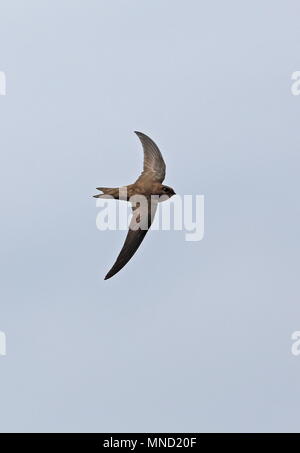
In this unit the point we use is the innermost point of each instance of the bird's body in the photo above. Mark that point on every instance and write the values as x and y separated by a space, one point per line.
146 188
144 195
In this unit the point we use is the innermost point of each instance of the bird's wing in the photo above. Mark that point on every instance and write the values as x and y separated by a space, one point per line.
154 164
141 221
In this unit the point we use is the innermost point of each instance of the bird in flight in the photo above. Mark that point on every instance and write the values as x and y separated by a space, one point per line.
143 195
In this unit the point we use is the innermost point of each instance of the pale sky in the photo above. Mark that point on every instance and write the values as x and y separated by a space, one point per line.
190 336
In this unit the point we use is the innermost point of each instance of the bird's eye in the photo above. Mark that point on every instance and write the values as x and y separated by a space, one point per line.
165 189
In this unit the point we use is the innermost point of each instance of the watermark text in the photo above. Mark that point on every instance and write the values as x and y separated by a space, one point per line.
2 83
2 343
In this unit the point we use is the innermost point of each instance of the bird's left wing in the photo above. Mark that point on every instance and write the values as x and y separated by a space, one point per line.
143 215
154 164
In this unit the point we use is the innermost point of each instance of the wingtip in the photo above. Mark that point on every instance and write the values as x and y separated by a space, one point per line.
111 273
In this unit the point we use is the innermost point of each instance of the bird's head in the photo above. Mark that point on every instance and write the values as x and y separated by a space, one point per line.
166 190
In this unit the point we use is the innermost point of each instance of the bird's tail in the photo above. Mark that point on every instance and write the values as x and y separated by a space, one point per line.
108 192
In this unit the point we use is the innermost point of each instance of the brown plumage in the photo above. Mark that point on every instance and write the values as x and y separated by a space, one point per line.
149 186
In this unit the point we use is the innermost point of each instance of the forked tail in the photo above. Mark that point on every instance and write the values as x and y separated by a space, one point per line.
108 192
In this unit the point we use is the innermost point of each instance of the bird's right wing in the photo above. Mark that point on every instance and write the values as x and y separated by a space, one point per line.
142 218
154 164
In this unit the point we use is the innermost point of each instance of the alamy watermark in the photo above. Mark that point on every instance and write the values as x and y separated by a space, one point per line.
2 93
180 213
296 343
2 343
295 87
2 83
